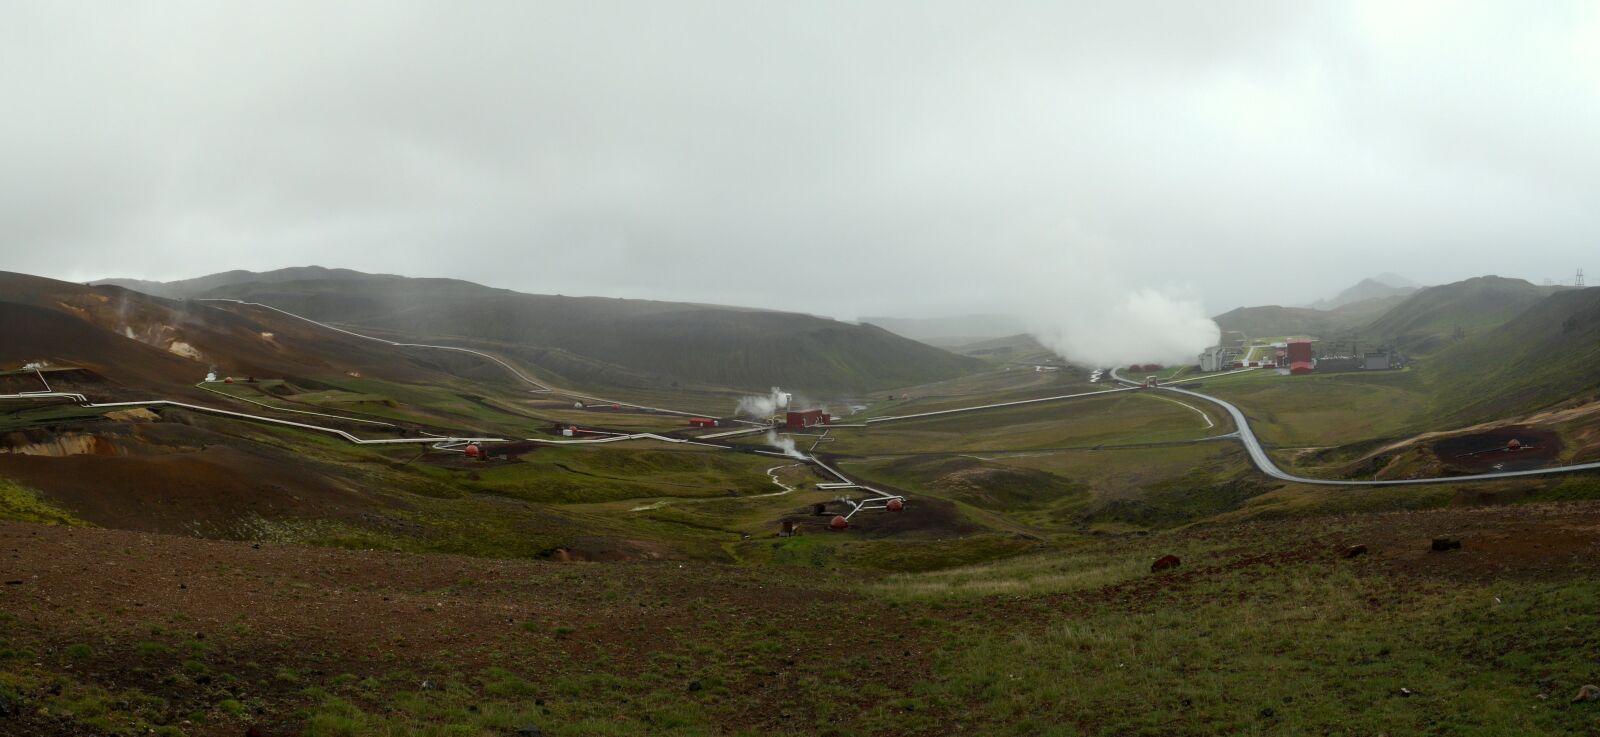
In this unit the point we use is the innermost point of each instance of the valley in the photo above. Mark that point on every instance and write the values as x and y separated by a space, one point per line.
1020 490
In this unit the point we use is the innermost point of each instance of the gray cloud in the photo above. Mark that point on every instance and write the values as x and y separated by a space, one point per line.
892 157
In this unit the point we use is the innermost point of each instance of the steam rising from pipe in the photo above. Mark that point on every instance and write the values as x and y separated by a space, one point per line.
763 406
785 445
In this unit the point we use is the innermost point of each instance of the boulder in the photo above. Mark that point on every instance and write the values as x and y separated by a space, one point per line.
1165 562
1354 551
1589 692
1441 544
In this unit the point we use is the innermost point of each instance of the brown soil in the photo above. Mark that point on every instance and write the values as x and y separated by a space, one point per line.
167 477
923 516
1543 541
1489 450
326 612
71 324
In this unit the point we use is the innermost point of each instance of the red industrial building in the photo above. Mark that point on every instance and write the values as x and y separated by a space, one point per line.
702 422
1300 360
807 418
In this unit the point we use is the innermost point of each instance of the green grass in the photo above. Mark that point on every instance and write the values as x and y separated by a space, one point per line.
1326 410
1302 651
32 414
22 505
1130 417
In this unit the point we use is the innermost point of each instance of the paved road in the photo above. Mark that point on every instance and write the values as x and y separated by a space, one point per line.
1259 457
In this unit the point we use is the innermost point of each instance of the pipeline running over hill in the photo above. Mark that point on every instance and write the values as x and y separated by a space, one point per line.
1258 454
539 388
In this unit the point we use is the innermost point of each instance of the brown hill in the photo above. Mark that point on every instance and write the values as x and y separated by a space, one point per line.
163 346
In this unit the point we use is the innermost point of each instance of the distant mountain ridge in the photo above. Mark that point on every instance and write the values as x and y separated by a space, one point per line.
1419 321
1427 320
1363 290
598 341
183 288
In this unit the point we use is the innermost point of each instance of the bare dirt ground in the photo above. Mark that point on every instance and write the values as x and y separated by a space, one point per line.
323 613
200 622
1491 449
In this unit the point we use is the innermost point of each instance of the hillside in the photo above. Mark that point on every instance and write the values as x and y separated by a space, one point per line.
947 332
1548 354
1433 317
154 345
1022 348
1346 321
1418 321
184 288
597 341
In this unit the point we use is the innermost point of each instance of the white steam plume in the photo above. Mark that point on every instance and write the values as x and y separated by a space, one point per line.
1138 326
762 406
1079 305
784 444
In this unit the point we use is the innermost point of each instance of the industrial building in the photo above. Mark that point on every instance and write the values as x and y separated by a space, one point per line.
806 418
1214 358
1381 361
1300 358
1336 364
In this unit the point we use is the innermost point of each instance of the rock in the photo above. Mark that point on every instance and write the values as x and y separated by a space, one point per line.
1268 713
1441 544
427 685
14 582
1589 692
695 686
529 730
1353 551
1165 562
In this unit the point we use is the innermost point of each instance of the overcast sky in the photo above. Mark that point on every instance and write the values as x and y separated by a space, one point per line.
839 158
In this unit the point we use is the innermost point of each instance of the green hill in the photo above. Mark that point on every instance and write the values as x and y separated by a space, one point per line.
1432 318
1548 354
1346 321
182 288
1418 322
598 341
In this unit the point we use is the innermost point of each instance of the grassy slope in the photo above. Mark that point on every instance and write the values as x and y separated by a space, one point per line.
1548 354
1328 409
1427 320
1262 630
1346 321
625 342
1124 417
